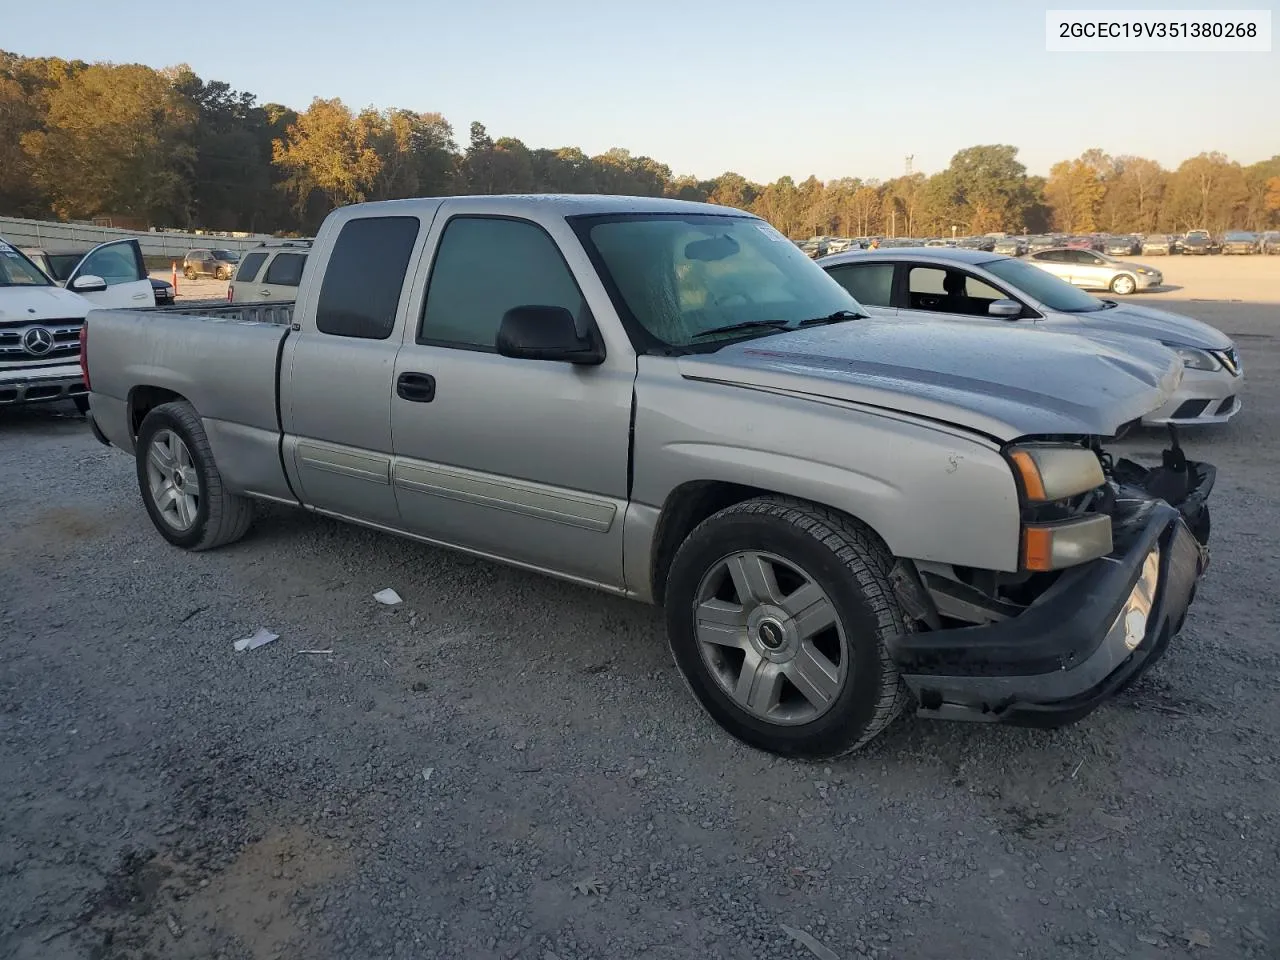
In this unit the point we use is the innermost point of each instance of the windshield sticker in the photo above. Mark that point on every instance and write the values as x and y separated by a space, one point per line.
5 248
769 232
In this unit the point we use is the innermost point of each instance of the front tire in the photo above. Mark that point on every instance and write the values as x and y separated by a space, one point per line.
778 612
180 483
1124 285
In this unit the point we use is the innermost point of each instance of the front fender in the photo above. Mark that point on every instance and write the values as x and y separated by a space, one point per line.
930 491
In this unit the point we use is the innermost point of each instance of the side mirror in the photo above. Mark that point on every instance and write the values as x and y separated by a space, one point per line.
1005 309
546 333
88 283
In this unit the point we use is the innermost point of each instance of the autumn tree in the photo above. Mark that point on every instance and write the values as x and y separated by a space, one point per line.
1074 192
329 159
1205 192
733 190
983 189
1134 195
115 140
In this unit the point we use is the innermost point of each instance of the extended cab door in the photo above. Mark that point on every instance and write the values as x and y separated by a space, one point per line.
336 370
120 264
524 460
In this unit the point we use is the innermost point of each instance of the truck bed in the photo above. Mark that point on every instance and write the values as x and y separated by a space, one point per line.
225 365
277 311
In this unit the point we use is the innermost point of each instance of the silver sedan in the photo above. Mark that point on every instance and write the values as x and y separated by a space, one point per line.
1097 271
967 286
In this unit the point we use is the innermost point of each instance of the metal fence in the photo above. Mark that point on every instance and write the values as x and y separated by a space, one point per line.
51 236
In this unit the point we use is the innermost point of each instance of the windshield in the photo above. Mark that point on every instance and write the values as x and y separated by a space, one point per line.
1239 235
17 271
1043 286
675 277
225 255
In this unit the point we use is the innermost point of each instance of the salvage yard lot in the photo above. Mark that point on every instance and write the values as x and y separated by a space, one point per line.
506 766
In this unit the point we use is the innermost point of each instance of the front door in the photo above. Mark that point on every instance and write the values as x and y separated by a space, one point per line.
119 263
947 293
524 460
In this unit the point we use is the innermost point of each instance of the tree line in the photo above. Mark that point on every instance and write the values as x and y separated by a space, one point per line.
164 147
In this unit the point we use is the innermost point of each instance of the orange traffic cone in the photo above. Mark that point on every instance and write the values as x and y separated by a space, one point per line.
175 278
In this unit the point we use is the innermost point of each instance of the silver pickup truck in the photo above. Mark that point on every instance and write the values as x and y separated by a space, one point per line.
671 402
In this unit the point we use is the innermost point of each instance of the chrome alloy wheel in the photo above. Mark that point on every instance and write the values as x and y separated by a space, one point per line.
172 480
771 638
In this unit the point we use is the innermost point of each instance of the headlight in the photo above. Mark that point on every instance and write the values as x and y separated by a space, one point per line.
1143 270
1052 472
1194 359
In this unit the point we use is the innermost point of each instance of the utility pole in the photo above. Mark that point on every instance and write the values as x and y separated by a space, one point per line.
893 231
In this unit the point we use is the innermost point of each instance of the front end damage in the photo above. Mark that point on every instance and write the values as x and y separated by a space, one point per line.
1044 648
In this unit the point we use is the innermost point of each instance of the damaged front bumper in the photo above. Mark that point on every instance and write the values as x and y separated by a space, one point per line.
1093 631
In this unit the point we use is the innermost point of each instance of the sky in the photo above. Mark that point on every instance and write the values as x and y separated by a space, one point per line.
761 87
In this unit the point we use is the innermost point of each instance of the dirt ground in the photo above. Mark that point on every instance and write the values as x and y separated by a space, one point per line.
505 766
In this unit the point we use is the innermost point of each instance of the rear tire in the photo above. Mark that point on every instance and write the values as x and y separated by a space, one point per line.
751 646
180 483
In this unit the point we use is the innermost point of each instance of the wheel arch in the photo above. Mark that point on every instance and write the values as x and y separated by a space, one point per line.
690 503
145 398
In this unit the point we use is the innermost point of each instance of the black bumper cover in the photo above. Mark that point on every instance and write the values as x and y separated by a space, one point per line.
1059 659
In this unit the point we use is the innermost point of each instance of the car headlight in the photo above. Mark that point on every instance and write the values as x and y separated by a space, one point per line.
1194 359
1143 270
1052 472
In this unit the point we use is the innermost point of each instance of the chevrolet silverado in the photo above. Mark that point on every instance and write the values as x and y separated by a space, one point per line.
669 401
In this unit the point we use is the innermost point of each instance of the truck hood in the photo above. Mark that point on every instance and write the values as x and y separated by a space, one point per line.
1006 382
1139 321
34 304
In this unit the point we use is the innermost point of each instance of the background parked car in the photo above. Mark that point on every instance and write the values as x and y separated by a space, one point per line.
1157 244
1196 243
968 287
1010 246
163 291
1042 242
1122 246
1270 242
118 263
1097 271
1239 242
219 264
270 272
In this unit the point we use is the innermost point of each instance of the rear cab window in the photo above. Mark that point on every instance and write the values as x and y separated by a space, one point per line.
364 277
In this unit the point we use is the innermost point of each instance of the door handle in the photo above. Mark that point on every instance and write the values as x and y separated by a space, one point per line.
139 296
416 387
264 293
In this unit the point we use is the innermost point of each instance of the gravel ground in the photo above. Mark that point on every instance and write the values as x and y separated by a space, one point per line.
505 766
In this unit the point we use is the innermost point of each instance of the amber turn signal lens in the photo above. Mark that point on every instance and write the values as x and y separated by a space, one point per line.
1030 474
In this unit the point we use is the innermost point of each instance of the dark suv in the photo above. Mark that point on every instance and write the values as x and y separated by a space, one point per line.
219 264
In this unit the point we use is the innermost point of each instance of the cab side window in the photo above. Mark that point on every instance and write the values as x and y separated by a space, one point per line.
485 266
